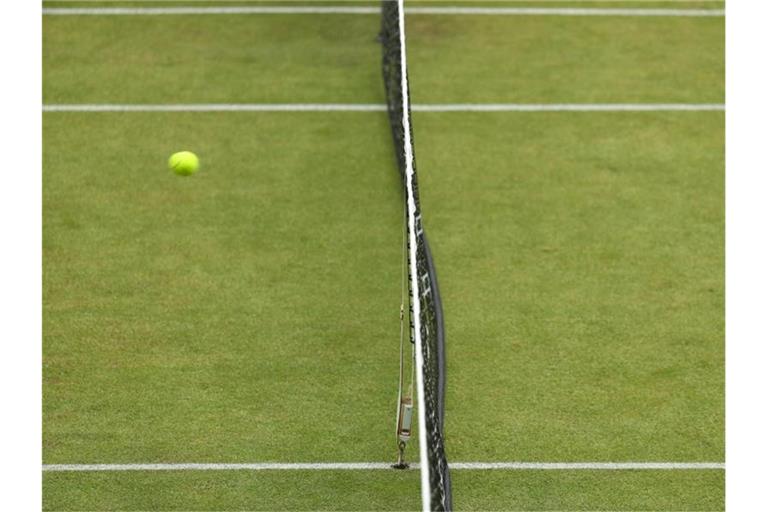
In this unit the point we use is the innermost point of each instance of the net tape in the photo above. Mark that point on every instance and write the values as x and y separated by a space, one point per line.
430 323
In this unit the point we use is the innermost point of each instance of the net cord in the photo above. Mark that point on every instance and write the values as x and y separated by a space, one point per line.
416 303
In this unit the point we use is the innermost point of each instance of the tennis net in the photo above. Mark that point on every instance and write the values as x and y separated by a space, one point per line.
425 308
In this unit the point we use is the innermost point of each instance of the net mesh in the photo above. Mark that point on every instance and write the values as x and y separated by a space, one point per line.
429 322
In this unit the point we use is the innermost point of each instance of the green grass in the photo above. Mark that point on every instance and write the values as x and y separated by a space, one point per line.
592 272
223 301
351 490
530 59
664 4
249 313
296 59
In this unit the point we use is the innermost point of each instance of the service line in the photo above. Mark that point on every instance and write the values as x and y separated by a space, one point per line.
346 466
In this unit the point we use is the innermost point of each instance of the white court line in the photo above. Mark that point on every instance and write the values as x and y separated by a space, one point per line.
565 11
588 465
567 107
372 107
156 11
336 466
222 107
512 11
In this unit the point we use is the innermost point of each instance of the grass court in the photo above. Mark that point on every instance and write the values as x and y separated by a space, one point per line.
250 313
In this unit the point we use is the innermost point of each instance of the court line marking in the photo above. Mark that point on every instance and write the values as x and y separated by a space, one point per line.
373 107
513 11
567 107
335 466
220 107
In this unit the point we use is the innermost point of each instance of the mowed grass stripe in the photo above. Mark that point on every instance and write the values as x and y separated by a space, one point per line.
336 59
337 107
489 11
383 490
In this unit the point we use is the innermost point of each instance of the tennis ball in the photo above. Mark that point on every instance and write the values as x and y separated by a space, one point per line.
184 163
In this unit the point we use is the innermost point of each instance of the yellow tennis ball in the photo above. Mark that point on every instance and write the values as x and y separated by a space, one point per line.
184 163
